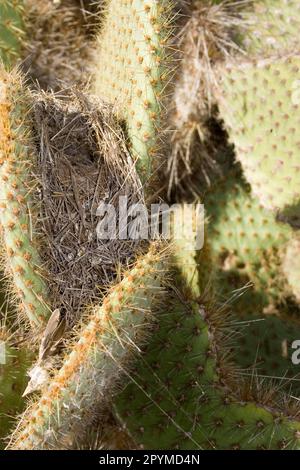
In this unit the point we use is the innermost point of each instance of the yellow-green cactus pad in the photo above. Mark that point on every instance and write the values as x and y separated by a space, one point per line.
260 105
245 238
132 72
17 215
189 250
271 27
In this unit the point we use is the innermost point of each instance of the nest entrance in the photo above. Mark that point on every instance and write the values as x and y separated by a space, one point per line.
83 162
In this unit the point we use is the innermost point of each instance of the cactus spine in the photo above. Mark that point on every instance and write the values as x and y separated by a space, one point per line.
16 215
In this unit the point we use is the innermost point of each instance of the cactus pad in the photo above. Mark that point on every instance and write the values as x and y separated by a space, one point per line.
291 266
131 69
246 238
272 27
13 366
23 264
178 399
260 106
265 345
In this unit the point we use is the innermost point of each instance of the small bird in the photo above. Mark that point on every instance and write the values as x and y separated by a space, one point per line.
39 376
53 333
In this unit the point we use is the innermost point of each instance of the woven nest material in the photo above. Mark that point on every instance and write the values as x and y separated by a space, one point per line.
83 161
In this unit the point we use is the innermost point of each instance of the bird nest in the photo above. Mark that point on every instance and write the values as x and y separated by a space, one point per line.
83 162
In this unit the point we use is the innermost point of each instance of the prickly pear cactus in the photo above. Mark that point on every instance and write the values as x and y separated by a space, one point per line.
190 253
258 96
291 266
185 342
272 26
96 359
246 239
265 346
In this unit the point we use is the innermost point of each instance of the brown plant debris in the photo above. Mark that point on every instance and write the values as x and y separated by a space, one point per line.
83 161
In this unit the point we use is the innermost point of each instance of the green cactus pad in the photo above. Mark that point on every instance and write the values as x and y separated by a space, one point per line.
13 366
132 72
264 335
189 251
246 239
11 30
180 398
22 263
265 346
259 103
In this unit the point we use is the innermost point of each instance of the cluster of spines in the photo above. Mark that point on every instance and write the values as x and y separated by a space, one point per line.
132 71
17 218
97 358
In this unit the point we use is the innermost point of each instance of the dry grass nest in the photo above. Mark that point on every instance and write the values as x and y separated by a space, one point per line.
83 161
